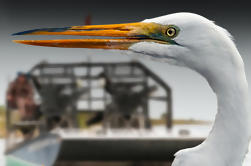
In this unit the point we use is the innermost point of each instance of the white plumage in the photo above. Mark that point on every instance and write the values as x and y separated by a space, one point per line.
209 50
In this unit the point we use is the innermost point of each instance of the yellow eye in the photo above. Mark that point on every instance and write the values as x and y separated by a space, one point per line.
171 32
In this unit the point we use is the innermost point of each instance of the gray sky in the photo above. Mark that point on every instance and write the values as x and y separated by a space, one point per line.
192 96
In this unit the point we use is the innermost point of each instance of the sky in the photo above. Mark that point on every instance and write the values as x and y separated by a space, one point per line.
193 97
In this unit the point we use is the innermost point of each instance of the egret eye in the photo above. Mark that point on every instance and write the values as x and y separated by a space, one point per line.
171 32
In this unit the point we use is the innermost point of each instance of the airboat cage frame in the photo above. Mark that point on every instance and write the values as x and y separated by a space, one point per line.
88 73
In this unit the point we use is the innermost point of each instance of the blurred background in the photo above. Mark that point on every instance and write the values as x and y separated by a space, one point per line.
192 95
192 98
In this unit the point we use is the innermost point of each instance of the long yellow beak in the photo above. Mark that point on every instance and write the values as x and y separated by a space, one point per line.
127 34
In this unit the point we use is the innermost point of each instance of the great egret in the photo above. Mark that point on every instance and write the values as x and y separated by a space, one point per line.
197 43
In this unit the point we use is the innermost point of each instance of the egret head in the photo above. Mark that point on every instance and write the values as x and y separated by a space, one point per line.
182 38
198 44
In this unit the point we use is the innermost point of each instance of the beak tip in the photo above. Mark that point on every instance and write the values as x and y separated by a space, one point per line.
22 33
18 41
15 34
39 31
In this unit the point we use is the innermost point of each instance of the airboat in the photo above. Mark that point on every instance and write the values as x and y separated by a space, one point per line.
95 112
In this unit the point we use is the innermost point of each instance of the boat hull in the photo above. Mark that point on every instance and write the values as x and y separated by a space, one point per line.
123 149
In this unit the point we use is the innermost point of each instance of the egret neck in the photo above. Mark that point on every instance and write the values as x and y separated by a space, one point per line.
228 140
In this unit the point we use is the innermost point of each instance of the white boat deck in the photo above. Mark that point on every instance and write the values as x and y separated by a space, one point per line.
158 132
